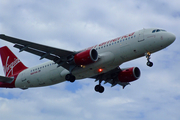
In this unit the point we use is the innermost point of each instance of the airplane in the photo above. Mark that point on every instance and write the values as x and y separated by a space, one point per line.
100 62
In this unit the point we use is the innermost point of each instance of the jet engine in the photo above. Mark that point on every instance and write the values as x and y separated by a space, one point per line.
86 57
129 74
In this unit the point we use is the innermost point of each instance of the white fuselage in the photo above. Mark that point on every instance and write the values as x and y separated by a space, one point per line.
111 54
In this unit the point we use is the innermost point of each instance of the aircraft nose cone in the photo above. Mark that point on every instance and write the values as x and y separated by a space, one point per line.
171 37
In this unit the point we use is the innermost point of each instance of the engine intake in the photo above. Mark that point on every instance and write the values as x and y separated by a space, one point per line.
129 74
86 57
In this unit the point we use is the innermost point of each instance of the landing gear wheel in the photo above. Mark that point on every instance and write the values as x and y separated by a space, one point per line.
73 78
70 77
96 88
99 88
150 64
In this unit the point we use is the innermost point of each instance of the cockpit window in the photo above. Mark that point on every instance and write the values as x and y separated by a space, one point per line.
153 31
158 30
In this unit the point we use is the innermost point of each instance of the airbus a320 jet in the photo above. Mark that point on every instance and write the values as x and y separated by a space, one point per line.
100 62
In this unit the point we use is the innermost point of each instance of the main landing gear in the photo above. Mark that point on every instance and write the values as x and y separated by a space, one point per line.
99 88
149 63
70 77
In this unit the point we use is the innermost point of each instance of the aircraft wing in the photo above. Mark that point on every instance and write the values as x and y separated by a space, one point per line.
59 56
6 79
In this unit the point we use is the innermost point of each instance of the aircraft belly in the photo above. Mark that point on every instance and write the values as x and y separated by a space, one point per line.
105 62
49 77
90 73
43 78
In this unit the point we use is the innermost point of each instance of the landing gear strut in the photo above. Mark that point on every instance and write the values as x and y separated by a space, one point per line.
149 63
99 88
70 77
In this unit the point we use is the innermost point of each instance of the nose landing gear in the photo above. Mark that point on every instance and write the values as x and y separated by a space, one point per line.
149 63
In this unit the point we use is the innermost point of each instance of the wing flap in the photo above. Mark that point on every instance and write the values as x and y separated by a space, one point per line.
6 79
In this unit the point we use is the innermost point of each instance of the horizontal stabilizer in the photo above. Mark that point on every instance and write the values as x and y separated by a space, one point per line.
6 79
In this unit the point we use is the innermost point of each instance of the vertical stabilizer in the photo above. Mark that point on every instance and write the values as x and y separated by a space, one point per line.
11 64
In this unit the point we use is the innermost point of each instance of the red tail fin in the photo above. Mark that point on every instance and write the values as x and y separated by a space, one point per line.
11 64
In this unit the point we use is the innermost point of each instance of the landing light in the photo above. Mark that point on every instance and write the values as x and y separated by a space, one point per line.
100 70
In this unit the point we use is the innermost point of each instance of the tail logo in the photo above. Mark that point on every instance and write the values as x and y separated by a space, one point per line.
8 68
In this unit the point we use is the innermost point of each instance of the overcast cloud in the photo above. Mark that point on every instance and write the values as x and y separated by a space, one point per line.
75 25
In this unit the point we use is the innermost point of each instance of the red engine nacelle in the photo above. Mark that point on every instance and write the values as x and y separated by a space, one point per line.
86 57
129 75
